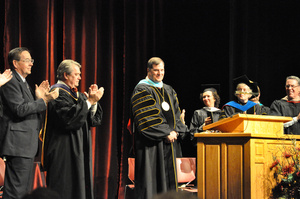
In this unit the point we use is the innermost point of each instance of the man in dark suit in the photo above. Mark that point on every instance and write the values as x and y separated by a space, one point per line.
20 124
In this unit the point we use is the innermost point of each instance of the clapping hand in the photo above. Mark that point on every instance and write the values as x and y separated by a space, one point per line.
94 94
5 77
43 91
52 95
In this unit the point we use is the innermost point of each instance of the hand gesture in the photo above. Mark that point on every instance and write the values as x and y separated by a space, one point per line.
207 121
172 137
94 94
182 116
5 77
42 89
51 95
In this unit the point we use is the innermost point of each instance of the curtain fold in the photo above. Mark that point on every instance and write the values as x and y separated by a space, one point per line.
201 42
83 31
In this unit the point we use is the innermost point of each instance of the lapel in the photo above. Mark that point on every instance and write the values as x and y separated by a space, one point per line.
23 85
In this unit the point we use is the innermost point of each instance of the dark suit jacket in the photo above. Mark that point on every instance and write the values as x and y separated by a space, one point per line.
1 106
20 124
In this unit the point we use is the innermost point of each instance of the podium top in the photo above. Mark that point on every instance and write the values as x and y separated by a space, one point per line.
249 123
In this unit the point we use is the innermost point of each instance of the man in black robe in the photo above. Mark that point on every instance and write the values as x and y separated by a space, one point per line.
67 150
158 122
289 106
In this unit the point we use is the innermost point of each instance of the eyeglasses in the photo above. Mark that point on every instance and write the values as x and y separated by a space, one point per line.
291 86
27 60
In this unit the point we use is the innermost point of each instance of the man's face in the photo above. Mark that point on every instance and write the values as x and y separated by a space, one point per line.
292 89
243 97
73 79
157 72
23 66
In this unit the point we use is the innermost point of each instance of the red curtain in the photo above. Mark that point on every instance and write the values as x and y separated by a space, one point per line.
201 42
83 31
106 37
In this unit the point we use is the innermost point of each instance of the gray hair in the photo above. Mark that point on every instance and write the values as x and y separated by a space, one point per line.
66 67
293 77
240 84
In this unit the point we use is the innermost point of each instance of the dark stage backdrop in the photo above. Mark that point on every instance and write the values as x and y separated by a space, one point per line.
201 42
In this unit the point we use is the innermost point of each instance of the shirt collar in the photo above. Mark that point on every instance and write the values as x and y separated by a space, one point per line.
23 79
61 82
151 83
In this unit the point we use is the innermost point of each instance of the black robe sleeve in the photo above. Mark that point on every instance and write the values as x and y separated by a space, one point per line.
289 109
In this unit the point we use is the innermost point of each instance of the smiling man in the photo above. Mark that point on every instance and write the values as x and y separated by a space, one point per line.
20 124
289 106
67 149
158 123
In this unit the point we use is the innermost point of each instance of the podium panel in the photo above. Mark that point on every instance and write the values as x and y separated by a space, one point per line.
236 165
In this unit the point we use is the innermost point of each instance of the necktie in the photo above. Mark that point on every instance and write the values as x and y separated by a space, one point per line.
29 89
27 85
74 90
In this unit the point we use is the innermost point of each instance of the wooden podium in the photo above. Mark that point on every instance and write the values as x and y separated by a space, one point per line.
235 163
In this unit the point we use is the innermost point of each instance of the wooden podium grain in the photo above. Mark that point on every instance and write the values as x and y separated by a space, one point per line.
235 163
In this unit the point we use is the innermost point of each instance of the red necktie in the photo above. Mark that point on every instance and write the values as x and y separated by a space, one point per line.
74 90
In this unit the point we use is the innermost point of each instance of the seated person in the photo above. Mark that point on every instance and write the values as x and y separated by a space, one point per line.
244 90
289 106
209 113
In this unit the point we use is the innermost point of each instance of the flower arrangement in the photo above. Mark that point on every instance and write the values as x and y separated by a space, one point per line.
286 168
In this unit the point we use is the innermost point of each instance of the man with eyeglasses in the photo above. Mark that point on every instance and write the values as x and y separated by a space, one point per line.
289 105
20 124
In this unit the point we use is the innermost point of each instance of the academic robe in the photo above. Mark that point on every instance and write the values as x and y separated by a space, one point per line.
264 109
67 154
197 124
229 110
289 109
155 168
198 119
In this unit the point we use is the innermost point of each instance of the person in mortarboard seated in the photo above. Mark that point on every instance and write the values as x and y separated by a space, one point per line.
244 90
210 112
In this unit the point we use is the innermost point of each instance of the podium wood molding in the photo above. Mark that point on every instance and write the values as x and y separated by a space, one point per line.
236 164
249 123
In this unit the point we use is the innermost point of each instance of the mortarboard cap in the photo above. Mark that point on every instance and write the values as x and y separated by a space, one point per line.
210 87
244 79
